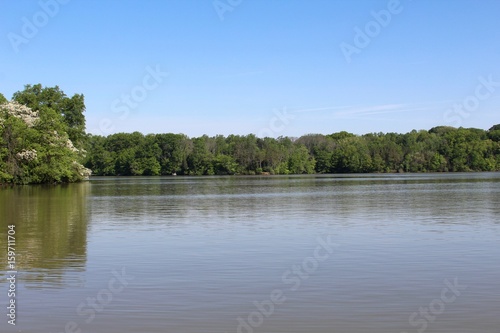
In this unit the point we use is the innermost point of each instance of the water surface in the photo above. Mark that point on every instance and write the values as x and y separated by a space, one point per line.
208 254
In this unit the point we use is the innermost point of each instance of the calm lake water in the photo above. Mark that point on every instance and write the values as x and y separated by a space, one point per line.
309 254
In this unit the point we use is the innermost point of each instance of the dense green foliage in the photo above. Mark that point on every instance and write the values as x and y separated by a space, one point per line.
71 109
165 154
36 129
440 149
43 140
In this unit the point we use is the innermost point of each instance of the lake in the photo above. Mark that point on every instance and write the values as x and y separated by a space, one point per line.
313 254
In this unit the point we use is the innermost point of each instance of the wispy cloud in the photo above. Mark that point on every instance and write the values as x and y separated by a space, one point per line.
363 111
375 109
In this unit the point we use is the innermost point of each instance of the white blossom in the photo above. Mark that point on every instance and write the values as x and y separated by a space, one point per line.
23 112
69 145
82 171
62 141
28 155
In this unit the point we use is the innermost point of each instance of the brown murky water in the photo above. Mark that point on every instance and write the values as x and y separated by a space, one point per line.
311 254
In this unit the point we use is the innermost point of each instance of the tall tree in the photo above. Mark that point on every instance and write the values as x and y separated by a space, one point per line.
71 109
34 147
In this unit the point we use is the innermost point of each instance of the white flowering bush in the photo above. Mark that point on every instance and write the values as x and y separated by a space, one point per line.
69 145
35 148
22 112
84 172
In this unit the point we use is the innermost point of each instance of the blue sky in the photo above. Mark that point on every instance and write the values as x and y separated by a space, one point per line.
260 66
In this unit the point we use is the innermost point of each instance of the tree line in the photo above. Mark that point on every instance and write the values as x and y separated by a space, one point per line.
440 149
43 140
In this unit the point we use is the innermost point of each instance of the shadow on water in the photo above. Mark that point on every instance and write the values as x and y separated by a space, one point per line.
51 232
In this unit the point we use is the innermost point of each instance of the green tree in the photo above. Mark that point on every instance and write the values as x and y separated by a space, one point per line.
99 159
71 109
225 165
175 149
200 161
494 133
300 161
35 147
245 151
351 155
438 163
